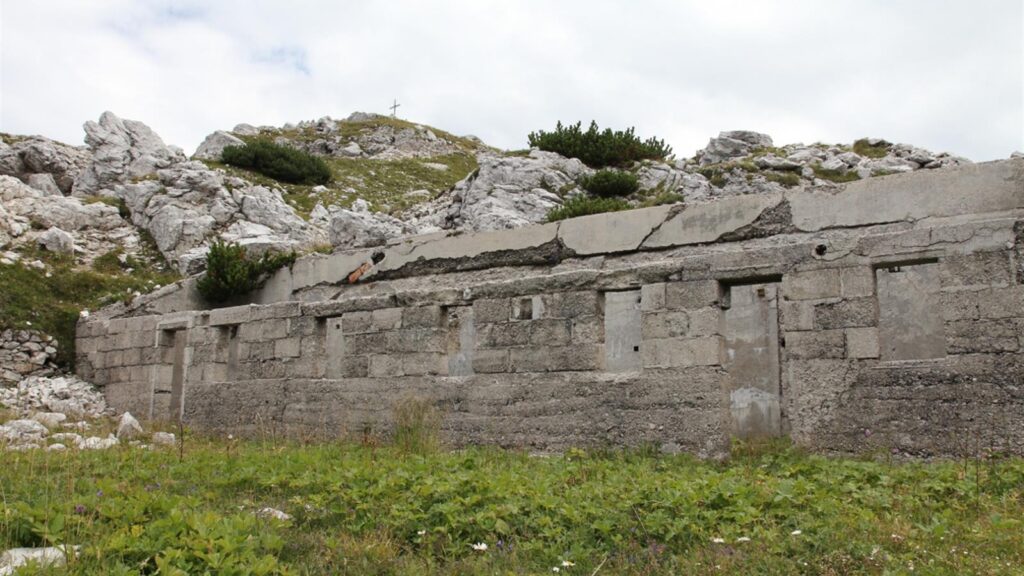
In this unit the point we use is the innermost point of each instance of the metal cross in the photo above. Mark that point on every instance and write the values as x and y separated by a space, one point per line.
394 107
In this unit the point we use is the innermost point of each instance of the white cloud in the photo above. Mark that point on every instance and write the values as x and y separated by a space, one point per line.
946 76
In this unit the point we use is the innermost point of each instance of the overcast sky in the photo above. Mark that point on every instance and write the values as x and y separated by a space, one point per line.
945 75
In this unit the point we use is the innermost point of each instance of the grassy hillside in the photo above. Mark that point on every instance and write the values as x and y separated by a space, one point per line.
50 300
386 184
368 509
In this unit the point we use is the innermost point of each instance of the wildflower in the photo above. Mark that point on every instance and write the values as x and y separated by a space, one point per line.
79 509
99 493
27 323
718 540
567 564
421 532
480 546
84 313
743 539
796 532
556 569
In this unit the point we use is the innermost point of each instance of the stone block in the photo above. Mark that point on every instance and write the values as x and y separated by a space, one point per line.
423 364
386 319
1001 302
554 358
421 317
959 305
812 284
117 325
976 269
666 324
490 361
355 366
371 343
504 335
817 344
587 330
385 365
571 304
862 342
677 353
705 322
691 294
356 322
549 332
277 310
853 313
982 336
232 315
486 311
652 297
416 340
303 326
287 348
857 281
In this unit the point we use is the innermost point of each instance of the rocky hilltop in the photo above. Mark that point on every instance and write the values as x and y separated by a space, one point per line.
390 178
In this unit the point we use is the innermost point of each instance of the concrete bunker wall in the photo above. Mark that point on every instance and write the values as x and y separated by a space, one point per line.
900 328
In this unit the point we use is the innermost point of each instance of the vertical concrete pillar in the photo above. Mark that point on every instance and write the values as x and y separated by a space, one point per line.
622 331
461 340
751 328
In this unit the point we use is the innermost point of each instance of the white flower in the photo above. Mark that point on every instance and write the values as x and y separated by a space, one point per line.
480 546
84 313
718 540
556 569
27 323
796 533
568 564
421 532
743 539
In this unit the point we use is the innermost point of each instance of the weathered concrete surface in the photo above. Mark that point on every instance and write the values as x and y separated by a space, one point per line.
972 189
612 232
902 335
709 221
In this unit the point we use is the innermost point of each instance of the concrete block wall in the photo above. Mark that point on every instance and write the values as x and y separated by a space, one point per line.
900 331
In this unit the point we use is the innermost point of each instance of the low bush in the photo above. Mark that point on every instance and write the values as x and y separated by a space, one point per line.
610 183
231 272
832 175
278 162
868 150
585 205
599 148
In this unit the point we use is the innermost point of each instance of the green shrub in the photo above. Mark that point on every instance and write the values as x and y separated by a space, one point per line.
787 179
585 205
597 148
879 150
610 183
835 175
278 162
230 272
663 198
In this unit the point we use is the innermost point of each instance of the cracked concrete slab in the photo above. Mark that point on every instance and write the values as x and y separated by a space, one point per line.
971 189
612 232
709 221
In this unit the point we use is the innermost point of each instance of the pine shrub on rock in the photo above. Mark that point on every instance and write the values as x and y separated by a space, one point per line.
231 272
585 206
610 183
599 148
279 162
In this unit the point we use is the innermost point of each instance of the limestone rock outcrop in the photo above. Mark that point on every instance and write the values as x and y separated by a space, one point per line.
188 204
122 150
215 143
33 158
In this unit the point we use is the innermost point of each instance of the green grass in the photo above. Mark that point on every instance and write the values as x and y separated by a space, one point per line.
867 150
31 300
835 175
370 509
787 179
383 183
